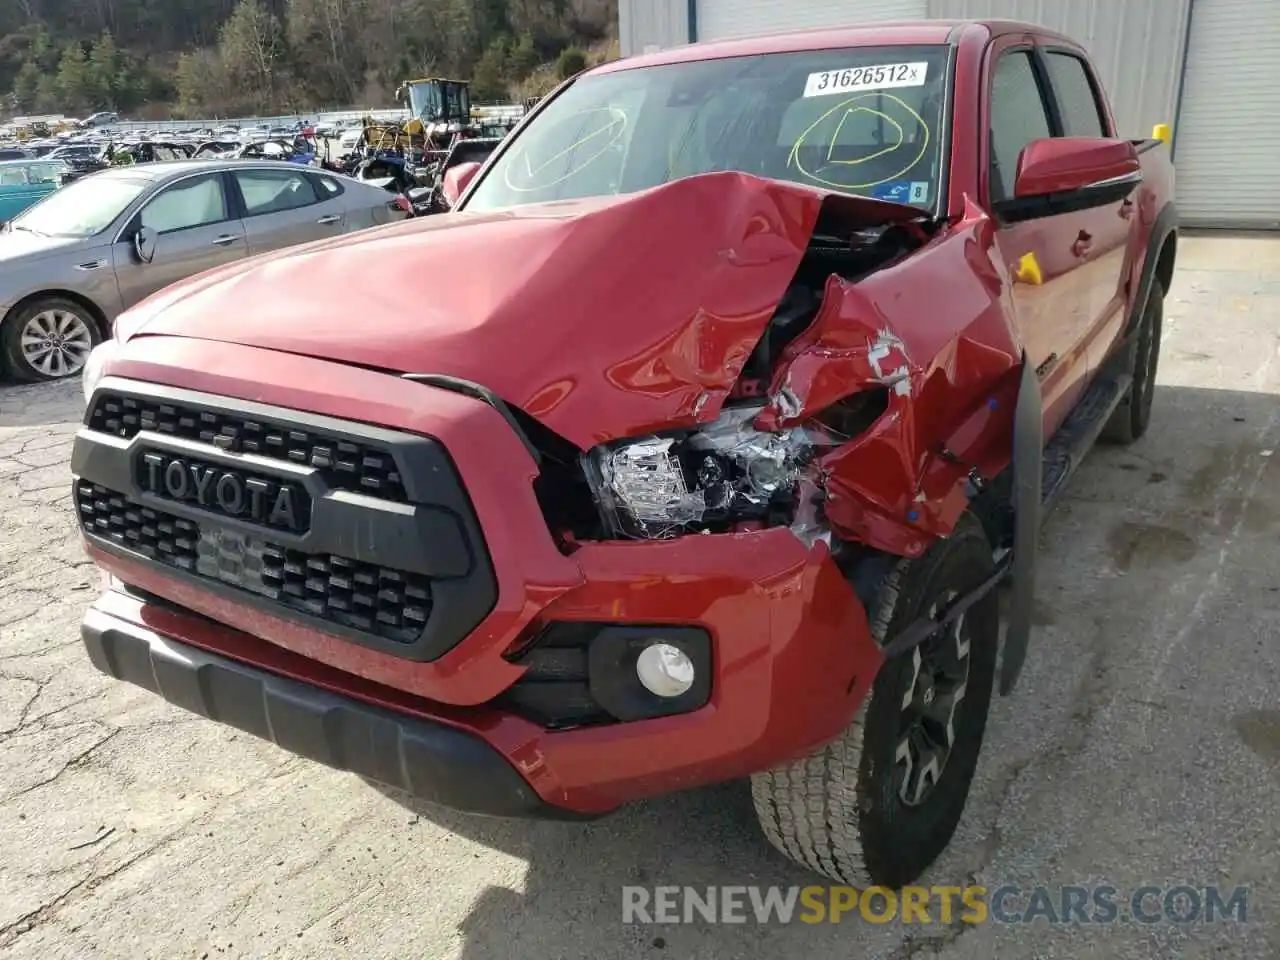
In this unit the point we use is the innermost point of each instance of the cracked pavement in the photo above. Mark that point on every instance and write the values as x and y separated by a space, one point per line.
1142 745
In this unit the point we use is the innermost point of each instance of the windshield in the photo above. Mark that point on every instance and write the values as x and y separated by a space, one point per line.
863 120
425 101
46 173
215 149
432 100
81 209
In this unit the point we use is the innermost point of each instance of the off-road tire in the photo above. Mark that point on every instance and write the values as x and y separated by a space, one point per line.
838 811
13 361
1130 420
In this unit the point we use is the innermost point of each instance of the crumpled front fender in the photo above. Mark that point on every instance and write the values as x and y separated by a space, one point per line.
935 331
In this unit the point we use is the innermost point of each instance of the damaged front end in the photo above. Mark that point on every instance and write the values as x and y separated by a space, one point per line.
874 409
760 463
725 477
869 409
762 353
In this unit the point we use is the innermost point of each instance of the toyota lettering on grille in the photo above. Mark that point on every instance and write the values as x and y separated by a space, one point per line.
272 503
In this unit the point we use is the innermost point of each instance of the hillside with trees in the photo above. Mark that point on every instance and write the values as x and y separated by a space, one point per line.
196 58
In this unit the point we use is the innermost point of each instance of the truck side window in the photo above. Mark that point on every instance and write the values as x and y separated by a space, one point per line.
1017 117
1076 98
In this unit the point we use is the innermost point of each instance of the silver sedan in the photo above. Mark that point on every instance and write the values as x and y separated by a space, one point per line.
72 262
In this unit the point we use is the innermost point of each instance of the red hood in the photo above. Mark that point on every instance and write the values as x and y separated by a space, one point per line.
602 318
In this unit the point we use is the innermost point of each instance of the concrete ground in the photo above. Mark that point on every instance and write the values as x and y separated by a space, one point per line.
1142 746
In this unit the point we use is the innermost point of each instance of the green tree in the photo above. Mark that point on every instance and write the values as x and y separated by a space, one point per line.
491 21
489 79
523 57
571 61
73 83
195 79
251 47
260 55
48 95
134 83
545 21
26 87
458 22
103 76
323 38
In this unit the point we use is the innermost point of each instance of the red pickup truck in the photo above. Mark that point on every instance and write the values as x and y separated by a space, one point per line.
693 445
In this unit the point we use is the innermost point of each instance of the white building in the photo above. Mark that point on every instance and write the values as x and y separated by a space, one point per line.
1211 68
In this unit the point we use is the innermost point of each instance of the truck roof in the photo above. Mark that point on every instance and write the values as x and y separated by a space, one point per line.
883 33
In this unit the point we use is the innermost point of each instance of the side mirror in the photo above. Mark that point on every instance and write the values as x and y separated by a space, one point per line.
456 180
1061 174
144 243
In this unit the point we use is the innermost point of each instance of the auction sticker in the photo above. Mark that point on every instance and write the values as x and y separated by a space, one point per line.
902 191
855 79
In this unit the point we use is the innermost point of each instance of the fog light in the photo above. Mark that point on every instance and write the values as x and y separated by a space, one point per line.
664 670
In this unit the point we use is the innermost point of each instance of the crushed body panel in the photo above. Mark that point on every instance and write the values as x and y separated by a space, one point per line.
934 331
647 306
656 355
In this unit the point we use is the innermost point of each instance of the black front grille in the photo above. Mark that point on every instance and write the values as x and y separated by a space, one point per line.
379 601
343 463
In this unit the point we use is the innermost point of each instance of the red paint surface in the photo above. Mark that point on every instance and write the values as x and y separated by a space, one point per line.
1068 163
456 180
785 625
892 486
604 318
613 317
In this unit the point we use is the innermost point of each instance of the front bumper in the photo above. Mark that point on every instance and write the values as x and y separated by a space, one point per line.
427 760
791 649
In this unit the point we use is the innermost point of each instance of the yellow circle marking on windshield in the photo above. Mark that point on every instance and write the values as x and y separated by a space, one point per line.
831 148
850 106
599 140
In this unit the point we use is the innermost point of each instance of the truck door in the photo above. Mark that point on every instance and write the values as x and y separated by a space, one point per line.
1050 292
1103 232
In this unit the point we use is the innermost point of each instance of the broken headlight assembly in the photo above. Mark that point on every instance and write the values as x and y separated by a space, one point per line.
724 476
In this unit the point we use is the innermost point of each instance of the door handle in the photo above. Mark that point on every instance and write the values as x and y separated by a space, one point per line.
91 265
224 240
331 218
1083 244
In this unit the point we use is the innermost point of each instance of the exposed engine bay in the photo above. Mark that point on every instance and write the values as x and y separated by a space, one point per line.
850 255
728 475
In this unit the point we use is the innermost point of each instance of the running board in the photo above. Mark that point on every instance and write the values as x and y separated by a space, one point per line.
1066 449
